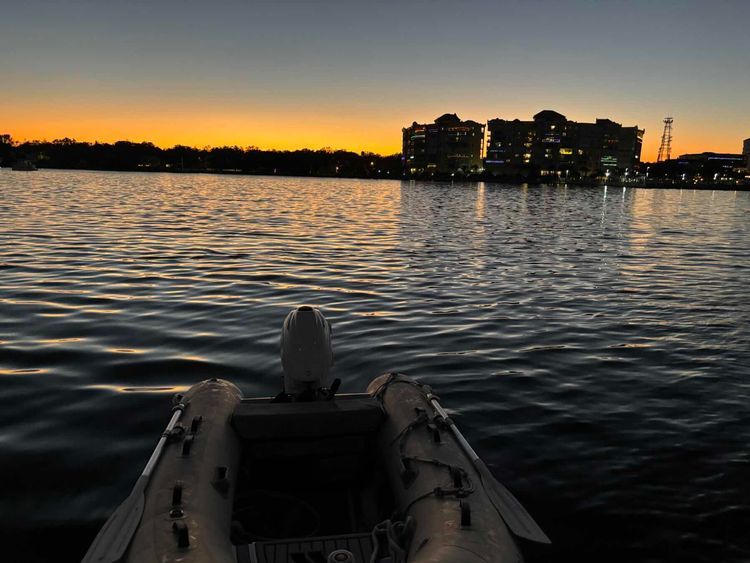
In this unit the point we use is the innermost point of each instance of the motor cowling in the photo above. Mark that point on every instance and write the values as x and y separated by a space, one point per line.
306 351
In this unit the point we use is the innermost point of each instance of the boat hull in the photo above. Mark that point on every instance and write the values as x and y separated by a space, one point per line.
388 442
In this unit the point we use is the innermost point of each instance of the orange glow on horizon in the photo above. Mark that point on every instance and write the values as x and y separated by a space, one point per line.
275 128
192 126
205 133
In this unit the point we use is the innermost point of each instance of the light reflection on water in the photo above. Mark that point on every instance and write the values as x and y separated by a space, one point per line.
593 343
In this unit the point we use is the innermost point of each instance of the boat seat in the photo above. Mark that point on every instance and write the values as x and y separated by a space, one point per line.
322 419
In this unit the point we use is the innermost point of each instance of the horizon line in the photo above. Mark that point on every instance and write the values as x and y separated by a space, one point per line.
326 148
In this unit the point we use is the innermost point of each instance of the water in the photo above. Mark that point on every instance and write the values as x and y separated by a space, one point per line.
593 344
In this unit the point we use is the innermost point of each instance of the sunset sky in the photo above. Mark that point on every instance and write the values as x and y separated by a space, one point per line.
350 74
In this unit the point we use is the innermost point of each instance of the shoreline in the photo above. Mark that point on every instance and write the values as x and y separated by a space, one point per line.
437 179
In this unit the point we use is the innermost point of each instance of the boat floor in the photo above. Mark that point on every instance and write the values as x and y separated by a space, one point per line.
305 550
314 477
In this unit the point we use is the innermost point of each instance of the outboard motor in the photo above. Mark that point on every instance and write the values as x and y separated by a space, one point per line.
307 355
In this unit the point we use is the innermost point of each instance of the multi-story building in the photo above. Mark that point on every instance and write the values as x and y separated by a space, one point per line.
709 166
553 145
446 146
746 152
700 168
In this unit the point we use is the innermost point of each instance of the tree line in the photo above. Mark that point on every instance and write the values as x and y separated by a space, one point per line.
130 156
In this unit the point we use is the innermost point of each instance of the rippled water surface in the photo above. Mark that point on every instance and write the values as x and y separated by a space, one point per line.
592 343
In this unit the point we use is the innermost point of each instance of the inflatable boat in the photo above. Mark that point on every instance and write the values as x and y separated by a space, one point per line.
313 476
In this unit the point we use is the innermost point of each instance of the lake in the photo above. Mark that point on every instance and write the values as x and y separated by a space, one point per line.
592 343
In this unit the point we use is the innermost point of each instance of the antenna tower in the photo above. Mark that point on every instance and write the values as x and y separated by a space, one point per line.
665 149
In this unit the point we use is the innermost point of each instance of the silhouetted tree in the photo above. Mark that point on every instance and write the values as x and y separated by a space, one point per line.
128 155
6 147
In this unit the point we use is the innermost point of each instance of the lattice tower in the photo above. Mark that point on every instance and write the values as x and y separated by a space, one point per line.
665 149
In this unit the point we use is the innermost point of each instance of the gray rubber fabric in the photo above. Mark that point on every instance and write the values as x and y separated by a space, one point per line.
435 482
188 510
